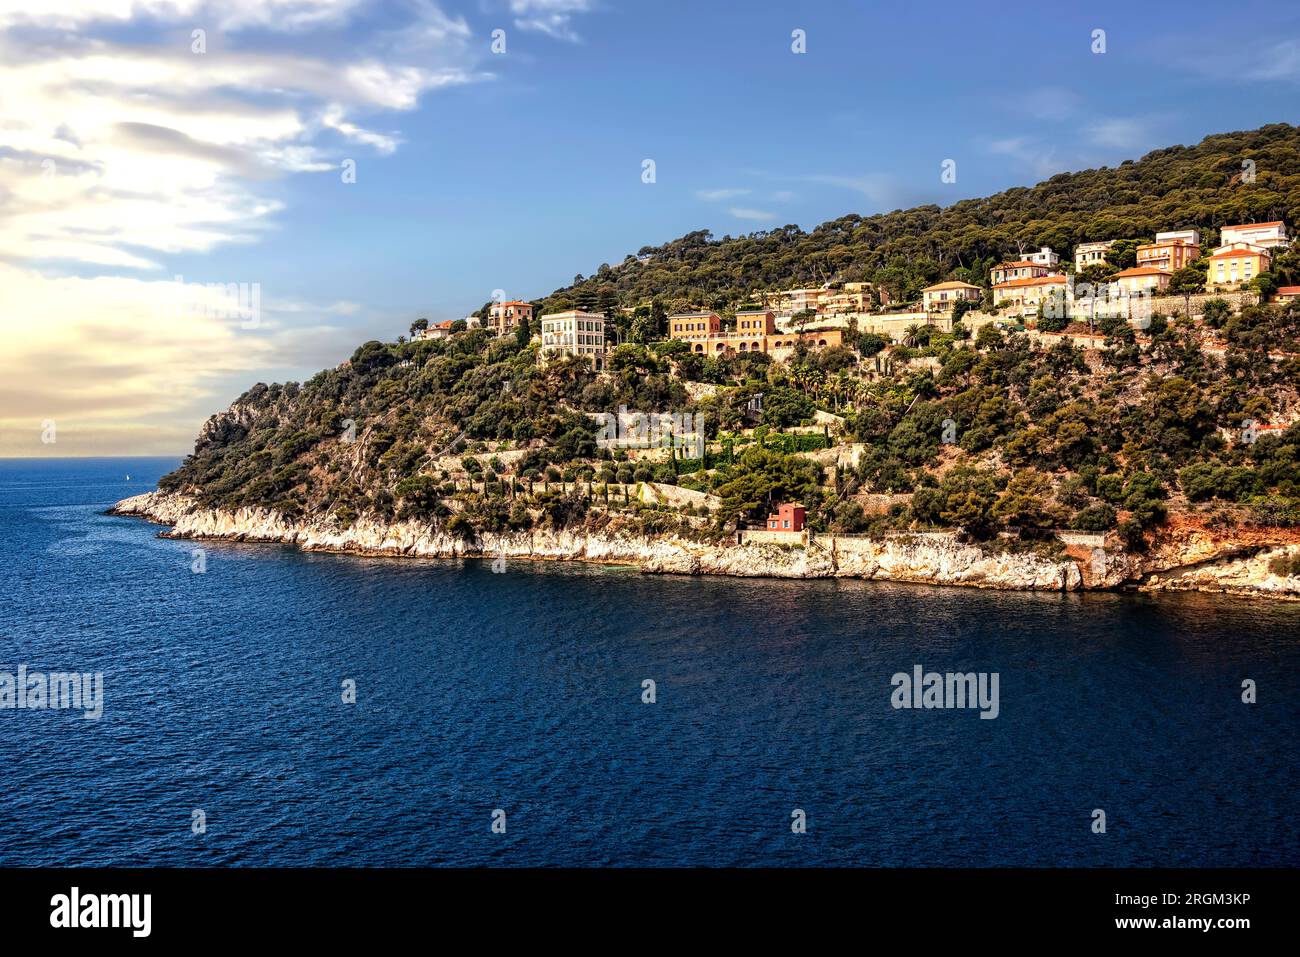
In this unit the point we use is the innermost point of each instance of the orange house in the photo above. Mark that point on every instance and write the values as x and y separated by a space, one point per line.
1168 255
755 322
694 325
788 518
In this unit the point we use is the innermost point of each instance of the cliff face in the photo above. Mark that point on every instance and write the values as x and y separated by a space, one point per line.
1196 564
939 562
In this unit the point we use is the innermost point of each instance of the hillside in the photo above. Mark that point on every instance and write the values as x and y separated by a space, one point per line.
1180 187
1177 443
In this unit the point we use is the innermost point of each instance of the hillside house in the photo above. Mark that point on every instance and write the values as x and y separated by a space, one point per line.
787 518
1263 235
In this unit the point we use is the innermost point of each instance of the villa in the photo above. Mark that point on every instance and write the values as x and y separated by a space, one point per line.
439 330
1088 254
1044 257
942 296
574 333
694 325
1170 251
503 317
1020 269
755 322
1264 235
1233 266
1141 280
1027 292
755 331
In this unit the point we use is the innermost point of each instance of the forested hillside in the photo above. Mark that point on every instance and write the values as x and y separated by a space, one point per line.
1188 427
1205 186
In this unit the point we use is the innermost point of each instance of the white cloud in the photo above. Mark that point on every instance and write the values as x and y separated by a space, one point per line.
116 154
1281 61
878 188
1038 158
745 212
552 17
1121 133
123 364
1050 103
716 195
226 14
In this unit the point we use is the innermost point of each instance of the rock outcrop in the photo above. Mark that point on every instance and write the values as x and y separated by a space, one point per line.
1194 563
937 561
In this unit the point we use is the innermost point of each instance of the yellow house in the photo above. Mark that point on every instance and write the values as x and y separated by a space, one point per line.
940 297
1026 292
1233 266
1143 279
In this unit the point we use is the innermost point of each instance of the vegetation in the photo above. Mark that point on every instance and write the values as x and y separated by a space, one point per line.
987 432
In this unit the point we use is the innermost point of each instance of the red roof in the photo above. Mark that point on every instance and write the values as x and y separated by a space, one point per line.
1233 253
1288 291
1032 281
1276 222
1141 271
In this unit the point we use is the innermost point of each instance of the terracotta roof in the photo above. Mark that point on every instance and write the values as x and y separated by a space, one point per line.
1032 281
1288 291
1161 243
691 315
1234 253
1276 222
951 284
1141 271
1019 263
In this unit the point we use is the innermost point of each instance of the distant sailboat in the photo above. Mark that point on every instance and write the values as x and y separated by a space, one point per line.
128 478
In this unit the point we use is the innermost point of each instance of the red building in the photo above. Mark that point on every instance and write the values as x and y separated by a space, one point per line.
788 518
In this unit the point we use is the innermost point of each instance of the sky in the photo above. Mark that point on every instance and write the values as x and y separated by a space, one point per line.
356 165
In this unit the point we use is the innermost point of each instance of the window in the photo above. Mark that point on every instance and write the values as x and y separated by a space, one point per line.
786 523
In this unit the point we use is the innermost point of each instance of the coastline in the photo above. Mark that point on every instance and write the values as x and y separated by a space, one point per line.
919 560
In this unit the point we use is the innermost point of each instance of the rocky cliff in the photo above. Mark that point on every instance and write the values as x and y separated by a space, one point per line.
1196 563
932 561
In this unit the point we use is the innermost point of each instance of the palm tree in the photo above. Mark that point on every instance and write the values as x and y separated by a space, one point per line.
911 336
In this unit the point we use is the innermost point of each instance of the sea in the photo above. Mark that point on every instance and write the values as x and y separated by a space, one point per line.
261 706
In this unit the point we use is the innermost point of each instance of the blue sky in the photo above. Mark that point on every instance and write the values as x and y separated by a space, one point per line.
479 171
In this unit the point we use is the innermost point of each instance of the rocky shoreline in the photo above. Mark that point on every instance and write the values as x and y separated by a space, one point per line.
920 559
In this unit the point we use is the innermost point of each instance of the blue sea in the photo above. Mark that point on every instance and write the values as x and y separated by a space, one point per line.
523 691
